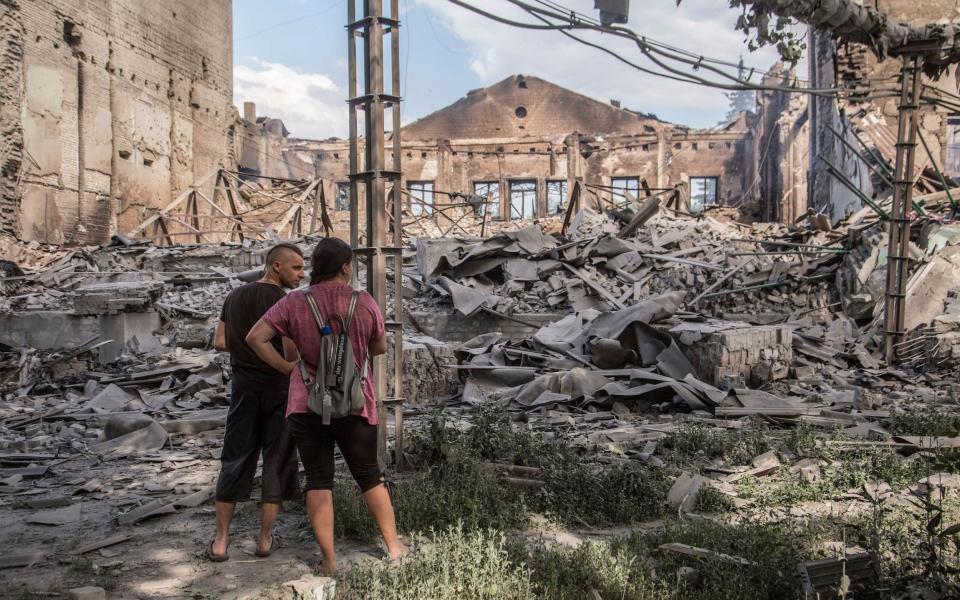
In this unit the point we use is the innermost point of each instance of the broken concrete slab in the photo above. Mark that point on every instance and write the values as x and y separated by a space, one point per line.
87 593
58 516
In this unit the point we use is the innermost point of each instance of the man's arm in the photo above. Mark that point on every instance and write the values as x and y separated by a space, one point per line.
220 337
259 341
290 351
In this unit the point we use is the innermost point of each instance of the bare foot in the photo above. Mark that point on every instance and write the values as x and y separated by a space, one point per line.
219 547
326 568
398 552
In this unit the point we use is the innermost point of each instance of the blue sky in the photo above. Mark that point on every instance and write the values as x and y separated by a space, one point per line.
290 58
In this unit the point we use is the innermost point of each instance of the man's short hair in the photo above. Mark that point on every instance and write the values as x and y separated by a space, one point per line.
276 251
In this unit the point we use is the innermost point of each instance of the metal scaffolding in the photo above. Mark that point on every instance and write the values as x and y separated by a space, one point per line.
373 175
898 248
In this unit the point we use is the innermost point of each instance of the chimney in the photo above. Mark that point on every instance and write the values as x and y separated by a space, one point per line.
250 111
615 103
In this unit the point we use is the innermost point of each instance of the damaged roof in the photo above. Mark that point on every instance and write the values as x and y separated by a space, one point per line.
522 106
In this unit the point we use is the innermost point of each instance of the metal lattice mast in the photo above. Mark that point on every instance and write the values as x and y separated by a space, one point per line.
373 176
898 248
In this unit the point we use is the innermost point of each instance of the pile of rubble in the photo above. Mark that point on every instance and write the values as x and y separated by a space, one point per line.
774 272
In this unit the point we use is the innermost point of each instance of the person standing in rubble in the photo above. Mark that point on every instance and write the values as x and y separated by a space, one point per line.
258 403
331 273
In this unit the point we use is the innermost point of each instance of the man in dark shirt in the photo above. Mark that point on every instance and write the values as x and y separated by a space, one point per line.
258 401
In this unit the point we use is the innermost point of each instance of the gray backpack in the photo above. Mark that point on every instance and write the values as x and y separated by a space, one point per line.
337 389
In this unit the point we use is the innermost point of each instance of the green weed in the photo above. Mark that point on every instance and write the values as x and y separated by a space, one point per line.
452 565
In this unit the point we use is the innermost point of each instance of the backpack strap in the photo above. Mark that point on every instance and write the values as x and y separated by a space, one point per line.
351 310
366 356
318 318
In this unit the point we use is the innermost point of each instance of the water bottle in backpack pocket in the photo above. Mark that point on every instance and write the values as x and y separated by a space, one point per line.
337 389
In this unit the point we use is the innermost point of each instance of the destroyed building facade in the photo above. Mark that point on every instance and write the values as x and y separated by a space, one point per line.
108 109
522 143
801 139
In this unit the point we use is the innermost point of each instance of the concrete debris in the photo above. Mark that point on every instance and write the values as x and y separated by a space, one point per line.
87 593
623 333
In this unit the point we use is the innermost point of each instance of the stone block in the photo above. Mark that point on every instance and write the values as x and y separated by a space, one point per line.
310 587
725 351
425 378
87 593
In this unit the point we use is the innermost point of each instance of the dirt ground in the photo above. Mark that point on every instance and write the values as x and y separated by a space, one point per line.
164 555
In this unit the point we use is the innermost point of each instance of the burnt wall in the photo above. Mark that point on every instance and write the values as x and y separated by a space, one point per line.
664 159
124 104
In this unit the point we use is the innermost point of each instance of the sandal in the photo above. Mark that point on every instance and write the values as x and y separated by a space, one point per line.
216 557
276 542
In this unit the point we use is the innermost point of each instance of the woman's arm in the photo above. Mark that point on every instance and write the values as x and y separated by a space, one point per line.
259 341
378 345
290 351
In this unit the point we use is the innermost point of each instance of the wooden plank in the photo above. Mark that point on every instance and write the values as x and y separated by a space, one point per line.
572 203
177 202
768 411
91 546
704 553
297 205
615 302
649 208
720 281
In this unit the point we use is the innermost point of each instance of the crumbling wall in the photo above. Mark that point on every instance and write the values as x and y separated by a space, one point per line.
11 134
826 193
567 138
782 149
124 104
454 165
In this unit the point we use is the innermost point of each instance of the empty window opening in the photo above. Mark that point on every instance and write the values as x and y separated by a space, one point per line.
953 146
421 197
623 186
523 199
703 193
342 201
556 196
521 112
71 34
490 191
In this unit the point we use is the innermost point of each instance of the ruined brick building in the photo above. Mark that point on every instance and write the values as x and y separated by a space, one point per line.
108 109
801 138
522 143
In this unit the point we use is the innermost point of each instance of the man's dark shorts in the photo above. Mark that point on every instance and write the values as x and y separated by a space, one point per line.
256 422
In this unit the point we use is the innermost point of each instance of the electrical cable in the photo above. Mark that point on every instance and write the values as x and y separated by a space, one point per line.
650 52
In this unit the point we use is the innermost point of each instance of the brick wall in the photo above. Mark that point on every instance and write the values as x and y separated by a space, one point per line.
563 136
11 133
125 103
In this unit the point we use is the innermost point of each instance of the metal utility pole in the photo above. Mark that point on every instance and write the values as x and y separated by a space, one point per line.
373 174
898 248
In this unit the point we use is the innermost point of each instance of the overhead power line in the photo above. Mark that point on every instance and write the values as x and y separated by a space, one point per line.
554 17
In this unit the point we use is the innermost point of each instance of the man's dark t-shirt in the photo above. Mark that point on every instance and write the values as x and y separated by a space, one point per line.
241 310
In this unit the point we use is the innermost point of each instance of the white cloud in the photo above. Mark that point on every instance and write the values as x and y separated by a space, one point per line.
311 105
702 26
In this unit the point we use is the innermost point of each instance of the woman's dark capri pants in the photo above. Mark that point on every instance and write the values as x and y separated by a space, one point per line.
356 439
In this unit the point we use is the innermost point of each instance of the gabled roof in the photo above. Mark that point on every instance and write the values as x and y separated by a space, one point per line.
522 106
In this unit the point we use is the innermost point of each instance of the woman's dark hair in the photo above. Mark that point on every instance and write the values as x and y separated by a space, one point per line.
327 259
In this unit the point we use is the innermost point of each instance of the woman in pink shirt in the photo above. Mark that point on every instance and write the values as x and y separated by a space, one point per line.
331 272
